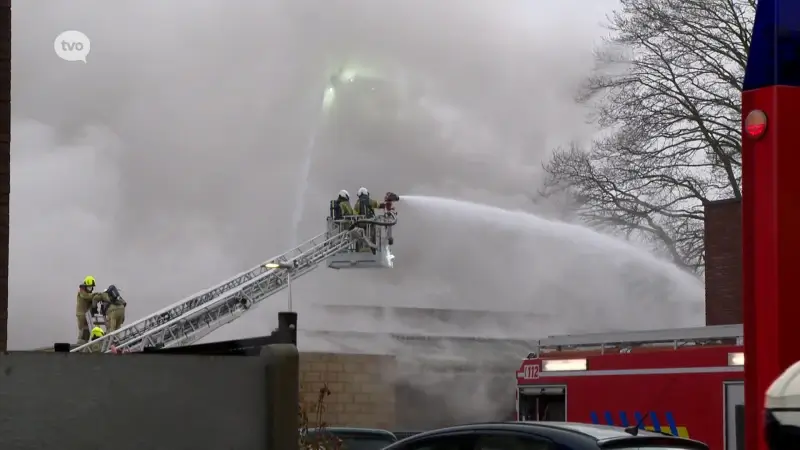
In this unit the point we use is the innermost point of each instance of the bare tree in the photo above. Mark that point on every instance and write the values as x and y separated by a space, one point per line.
667 92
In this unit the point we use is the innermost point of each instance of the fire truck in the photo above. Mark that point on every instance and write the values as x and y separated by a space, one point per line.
687 382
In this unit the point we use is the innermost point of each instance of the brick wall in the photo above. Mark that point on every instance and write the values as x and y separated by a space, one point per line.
723 245
362 388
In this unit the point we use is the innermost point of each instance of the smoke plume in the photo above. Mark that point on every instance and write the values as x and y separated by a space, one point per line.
173 158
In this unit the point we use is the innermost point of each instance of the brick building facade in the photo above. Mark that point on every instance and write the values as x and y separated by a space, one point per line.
362 388
723 245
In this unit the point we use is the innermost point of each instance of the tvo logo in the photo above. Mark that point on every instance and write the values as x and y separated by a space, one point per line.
72 46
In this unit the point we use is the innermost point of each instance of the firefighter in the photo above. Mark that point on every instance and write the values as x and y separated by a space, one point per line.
341 206
87 300
115 309
95 334
365 206
341 210
782 404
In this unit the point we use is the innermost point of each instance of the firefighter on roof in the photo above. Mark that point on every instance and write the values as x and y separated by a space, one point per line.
87 300
95 334
115 311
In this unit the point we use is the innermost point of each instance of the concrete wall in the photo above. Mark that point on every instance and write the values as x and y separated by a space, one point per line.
66 400
362 388
723 245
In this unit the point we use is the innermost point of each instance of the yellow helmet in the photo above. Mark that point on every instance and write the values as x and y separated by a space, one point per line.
88 281
98 332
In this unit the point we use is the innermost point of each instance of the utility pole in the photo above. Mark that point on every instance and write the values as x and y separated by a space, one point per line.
5 162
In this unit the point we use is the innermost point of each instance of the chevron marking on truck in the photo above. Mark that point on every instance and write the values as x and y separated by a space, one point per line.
671 427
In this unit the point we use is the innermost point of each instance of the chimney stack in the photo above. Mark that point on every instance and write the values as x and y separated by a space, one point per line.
723 245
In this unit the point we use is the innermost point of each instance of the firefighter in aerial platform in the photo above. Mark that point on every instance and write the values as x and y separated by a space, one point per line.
365 206
341 206
87 301
341 210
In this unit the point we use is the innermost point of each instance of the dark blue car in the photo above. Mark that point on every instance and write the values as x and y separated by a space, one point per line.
543 436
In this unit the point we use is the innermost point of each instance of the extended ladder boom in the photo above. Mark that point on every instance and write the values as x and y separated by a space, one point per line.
195 317
677 337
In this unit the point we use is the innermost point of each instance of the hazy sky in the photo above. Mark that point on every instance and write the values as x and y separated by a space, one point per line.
173 158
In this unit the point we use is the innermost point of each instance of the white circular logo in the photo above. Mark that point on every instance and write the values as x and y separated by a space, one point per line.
72 46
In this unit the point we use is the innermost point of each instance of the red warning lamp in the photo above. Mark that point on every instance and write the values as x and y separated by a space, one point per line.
755 124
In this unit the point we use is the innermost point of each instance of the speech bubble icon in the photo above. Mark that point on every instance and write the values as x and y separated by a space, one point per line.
72 46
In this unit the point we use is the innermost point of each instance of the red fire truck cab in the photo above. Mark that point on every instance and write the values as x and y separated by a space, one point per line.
687 382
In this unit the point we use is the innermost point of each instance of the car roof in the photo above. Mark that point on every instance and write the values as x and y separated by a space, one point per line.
603 435
599 432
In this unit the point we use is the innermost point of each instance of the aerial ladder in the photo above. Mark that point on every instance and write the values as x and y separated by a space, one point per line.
631 341
348 242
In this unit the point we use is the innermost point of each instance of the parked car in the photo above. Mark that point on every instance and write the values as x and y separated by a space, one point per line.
353 438
543 436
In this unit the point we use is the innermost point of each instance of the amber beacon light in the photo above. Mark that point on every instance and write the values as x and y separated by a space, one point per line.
755 124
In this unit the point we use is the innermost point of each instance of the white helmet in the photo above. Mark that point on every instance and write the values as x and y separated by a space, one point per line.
362 191
782 406
344 194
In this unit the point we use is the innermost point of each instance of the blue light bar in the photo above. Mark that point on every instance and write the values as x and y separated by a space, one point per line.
775 50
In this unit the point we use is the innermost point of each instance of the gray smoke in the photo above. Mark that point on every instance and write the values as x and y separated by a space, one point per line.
172 159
